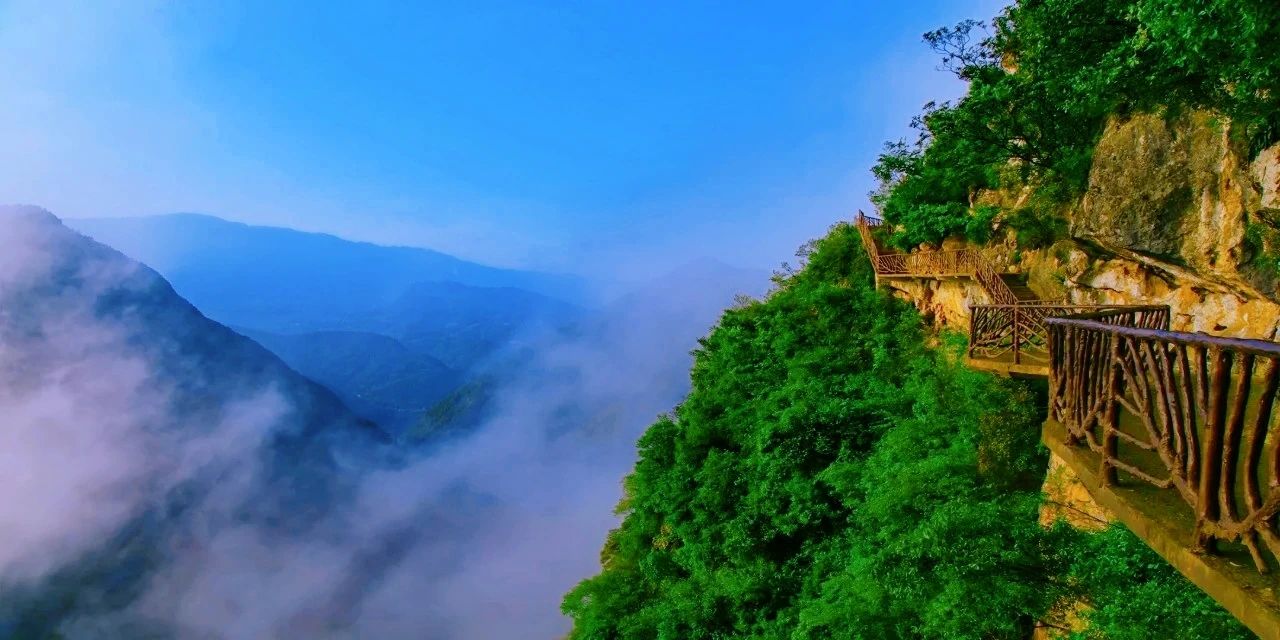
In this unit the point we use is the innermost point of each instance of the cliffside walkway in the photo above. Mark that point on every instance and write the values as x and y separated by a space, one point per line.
1008 336
1176 433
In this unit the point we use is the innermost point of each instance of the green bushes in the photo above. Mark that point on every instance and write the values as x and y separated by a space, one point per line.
1134 594
1067 66
1037 229
831 476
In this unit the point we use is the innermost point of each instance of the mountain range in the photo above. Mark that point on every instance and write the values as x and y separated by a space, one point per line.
413 339
171 476
390 329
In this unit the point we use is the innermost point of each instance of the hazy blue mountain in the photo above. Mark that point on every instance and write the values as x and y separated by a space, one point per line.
377 376
456 415
390 329
460 324
666 315
64 271
287 281
129 412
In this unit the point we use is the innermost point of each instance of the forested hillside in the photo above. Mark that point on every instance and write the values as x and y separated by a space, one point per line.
1045 78
836 472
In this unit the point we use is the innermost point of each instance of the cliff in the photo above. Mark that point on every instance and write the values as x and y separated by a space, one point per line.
1176 213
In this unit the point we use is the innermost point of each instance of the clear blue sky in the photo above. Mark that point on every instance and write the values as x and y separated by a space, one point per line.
593 137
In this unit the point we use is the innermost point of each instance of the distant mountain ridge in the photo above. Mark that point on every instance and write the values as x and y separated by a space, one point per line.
117 288
283 280
664 315
390 329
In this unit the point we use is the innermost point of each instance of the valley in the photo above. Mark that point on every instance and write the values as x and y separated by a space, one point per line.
356 445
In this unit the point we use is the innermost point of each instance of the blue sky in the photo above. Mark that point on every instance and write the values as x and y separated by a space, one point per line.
600 137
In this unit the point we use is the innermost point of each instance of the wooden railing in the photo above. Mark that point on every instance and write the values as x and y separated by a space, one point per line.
933 264
867 226
1019 331
1189 413
929 263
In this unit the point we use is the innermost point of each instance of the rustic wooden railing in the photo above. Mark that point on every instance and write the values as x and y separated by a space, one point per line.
1189 413
1018 331
933 264
867 229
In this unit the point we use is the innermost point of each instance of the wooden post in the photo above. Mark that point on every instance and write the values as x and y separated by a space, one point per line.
1017 352
1211 473
1110 441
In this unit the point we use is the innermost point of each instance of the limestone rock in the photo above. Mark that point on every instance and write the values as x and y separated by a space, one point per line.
1066 498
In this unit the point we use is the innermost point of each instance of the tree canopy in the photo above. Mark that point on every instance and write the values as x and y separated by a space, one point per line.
836 472
1043 79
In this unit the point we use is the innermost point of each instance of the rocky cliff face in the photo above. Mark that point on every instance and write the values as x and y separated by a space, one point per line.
1176 213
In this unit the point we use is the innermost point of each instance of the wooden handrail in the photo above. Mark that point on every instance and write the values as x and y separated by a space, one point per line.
865 225
1263 348
1190 414
1021 329
953 262
1185 412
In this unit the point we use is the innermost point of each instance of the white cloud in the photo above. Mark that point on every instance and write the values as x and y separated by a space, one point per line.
480 539
87 439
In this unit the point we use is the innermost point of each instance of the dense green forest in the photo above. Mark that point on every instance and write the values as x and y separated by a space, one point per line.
1044 78
836 472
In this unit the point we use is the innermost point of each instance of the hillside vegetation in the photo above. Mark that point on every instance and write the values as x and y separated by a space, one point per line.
1045 78
834 473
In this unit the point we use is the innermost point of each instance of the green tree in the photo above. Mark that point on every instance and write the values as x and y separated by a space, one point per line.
1042 86
831 475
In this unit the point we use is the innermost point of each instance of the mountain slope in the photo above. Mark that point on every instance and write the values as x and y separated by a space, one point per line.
460 324
377 376
837 472
129 418
318 301
663 316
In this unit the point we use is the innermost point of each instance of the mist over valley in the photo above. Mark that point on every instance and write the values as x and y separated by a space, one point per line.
319 465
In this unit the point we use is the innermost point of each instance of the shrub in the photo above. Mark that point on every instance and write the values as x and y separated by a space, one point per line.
1069 65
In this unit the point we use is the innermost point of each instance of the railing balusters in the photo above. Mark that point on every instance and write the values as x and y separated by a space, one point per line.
1173 442
1258 434
1211 475
1190 463
933 263
1139 396
1110 427
1019 330
1204 405
1234 431
1017 351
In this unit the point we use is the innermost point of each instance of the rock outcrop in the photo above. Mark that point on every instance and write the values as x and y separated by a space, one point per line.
1175 213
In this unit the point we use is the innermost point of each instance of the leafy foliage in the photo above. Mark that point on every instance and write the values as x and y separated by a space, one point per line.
1036 228
1137 595
831 476
1042 85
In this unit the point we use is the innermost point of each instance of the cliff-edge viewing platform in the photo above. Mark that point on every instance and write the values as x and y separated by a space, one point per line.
1175 433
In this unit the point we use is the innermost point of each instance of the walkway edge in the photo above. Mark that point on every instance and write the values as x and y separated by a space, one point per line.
1258 609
